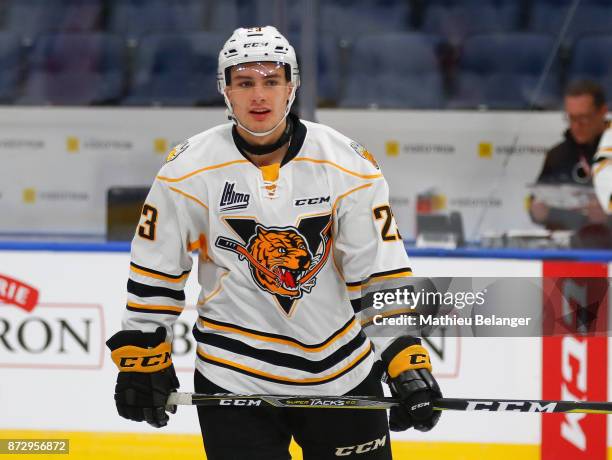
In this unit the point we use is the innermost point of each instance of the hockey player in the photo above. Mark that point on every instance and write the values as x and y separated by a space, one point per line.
602 172
294 231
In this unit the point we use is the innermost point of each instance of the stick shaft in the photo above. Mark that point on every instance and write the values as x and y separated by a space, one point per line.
373 402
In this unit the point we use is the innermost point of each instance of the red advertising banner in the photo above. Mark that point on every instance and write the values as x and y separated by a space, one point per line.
574 357
15 292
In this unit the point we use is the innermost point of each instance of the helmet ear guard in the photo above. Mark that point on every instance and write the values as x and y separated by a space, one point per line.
258 44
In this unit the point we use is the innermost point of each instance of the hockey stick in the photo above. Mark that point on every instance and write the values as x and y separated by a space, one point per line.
374 402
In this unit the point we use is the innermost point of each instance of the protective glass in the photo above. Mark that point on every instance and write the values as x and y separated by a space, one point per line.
268 76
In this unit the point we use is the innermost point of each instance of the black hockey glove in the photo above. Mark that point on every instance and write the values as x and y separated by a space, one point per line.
146 375
410 380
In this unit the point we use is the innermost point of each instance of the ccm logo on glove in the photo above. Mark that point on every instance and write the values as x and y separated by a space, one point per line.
136 359
146 375
411 380
412 357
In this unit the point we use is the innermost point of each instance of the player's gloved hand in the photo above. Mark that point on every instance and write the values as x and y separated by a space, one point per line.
146 375
410 380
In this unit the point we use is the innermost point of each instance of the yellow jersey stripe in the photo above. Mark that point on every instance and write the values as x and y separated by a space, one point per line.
599 166
187 195
345 194
155 307
337 166
216 291
159 276
201 170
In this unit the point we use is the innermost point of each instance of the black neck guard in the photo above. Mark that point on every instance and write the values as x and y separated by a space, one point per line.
263 149
295 144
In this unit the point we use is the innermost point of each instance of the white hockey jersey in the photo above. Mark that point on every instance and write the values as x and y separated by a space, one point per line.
602 171
285 255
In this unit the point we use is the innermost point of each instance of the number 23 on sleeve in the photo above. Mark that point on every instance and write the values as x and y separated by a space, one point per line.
384 212
147 229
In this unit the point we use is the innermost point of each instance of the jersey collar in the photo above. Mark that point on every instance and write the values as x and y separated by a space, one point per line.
295 144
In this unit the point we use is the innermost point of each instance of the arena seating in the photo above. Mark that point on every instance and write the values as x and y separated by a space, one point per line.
384 53
176 70
381 77
75 69
503 71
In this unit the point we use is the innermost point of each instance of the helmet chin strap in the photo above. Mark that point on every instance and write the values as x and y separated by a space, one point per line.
231 116
254 149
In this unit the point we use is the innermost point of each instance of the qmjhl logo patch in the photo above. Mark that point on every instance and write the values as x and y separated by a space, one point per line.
231 199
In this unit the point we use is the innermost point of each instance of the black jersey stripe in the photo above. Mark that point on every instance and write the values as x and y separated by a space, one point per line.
279 358
379 274
144 290
358 304
156 311
285 338
156 272
279 379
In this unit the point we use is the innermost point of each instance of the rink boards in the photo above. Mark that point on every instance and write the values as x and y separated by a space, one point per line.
57 375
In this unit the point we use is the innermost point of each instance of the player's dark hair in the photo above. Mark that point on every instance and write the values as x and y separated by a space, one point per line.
588 87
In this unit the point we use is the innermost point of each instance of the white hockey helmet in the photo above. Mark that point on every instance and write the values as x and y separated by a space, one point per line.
257 44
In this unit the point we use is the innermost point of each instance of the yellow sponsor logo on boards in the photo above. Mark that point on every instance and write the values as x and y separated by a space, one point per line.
29 195
392 148
485 150
72 144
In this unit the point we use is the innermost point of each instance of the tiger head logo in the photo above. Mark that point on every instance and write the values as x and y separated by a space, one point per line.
283 261
285 255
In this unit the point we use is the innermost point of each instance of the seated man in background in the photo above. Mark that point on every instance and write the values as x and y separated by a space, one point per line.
570 162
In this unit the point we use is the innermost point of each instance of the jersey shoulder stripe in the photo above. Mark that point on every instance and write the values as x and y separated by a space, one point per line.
167 178
339 149
340 168
200 151
190 197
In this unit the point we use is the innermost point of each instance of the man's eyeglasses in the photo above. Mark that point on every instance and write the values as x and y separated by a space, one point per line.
580 119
